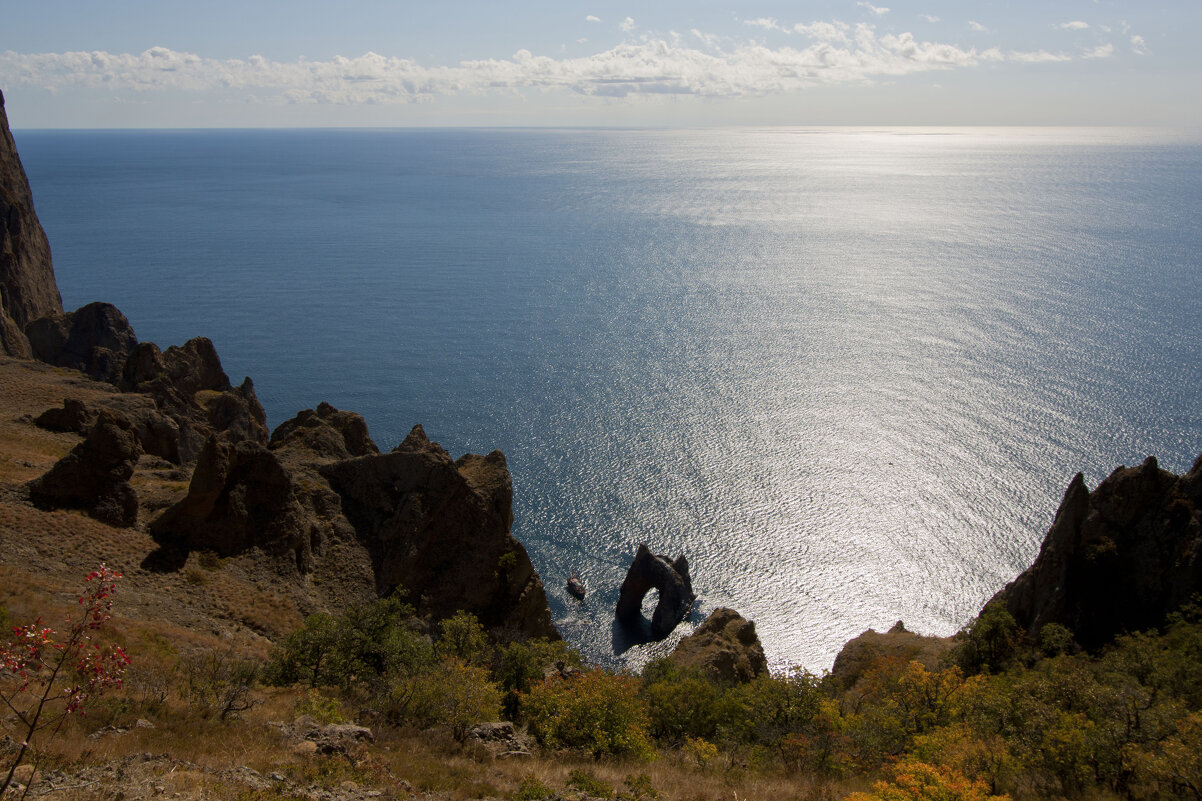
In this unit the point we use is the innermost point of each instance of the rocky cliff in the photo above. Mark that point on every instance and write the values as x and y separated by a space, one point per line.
725 647
437 528
1119 558
27 287
316 509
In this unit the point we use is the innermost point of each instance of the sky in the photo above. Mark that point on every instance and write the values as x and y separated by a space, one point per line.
687 63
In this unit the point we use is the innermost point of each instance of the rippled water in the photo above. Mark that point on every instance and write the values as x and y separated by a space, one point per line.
848 373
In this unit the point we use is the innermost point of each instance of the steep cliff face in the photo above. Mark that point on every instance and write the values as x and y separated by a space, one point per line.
440 529
1117 559
323 497
27 287
725 647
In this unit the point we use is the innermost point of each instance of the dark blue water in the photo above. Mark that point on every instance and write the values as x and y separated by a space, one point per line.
848 373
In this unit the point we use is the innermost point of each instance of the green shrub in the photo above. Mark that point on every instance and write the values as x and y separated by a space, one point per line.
449 692
681 703
217 683
990 642
464 638
209 560
595 711
320 707
364 644
639 787
589 784
531 789
524 663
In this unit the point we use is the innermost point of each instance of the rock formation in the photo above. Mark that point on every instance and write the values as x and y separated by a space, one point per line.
191 393
440 529
27 287
862 652
676 597
326 432
95 339
95 474
725 647
413 517
157 434
1117 559
240 497
189 386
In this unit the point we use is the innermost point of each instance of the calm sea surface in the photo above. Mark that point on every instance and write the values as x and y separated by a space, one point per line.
847 373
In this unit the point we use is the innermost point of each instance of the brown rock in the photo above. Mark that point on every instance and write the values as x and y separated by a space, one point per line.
74 416
27 286
240 497
190 387
868 649
157 434
95 474
95 339
676 596
1117 559
327 432
440 529
725 647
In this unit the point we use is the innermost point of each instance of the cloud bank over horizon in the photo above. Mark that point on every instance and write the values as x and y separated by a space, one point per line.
692 64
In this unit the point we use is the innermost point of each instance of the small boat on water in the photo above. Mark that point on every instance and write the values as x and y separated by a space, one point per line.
576 587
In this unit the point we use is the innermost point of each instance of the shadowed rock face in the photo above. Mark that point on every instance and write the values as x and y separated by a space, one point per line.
436 527
440 529
95 339
95 474
676 597
240 497
157 434
1117 559
189 386
725 646
327 432
27 287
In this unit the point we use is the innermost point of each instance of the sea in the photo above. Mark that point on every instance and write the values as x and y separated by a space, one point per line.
847 372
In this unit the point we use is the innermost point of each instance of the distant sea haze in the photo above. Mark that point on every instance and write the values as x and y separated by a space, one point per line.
847 372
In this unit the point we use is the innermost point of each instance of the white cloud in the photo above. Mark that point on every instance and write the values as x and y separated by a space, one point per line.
878 10
645 68
627 24
1101 51
824 31
1075 25
976 26
929 17
1037 57
591 18
765 23
1139 45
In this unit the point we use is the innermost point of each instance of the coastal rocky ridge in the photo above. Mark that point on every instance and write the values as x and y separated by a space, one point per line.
315 508
161 443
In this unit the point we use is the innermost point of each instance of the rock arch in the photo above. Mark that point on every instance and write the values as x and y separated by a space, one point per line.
675 591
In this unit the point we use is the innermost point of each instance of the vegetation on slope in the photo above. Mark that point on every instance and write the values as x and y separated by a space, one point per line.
1002 716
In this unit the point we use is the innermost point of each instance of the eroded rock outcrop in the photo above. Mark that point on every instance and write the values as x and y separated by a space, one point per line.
676 596
440 529
725 646
240 497
95 475
326 432
95 339
27 286
1117 559
157 434
189 386
870 648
